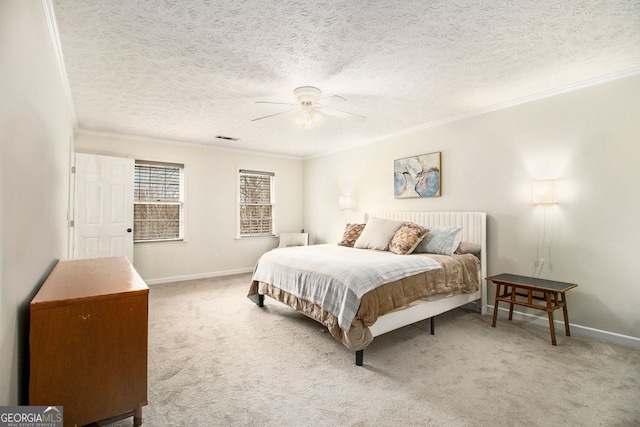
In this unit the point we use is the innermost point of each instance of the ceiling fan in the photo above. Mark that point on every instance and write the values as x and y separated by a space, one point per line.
311 107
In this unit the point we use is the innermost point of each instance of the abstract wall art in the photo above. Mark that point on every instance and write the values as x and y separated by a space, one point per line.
417 176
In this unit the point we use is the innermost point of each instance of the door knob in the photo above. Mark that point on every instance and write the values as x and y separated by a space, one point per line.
129 230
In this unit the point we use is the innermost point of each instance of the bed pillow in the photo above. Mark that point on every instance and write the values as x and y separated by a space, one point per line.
351 234
408 236
377 234
440 240
469 248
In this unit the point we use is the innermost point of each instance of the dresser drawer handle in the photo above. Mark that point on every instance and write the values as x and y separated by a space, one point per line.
84 316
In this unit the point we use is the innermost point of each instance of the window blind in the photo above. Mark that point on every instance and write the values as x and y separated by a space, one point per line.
256 203
158 201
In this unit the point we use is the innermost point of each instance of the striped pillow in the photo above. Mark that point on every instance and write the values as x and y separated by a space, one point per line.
440 240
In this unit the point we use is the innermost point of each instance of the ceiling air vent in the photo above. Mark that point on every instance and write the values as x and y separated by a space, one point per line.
226 138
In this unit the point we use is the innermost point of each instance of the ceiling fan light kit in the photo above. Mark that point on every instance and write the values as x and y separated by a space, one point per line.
311 107
308 117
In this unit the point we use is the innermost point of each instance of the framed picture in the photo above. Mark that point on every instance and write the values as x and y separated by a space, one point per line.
417 176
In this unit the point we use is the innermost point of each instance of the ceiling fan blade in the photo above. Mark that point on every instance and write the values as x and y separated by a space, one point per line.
279 103
330 100
345 114
276 114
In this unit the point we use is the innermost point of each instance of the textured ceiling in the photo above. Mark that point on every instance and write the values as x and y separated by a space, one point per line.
191 70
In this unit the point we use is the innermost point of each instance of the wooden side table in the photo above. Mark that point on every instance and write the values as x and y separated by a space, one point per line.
510 286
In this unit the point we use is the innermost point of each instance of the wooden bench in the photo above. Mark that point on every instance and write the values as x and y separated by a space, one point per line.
511 286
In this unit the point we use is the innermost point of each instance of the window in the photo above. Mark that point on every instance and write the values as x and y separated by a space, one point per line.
158 201
256 203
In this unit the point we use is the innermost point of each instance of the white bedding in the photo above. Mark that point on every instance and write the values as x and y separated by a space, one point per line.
336 277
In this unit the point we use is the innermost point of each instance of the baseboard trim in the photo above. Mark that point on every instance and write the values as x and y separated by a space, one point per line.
198 276
612 337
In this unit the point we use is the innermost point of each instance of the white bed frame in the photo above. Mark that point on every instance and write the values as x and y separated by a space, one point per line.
474 230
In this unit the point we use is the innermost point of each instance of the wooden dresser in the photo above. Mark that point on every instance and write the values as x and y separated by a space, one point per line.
88 341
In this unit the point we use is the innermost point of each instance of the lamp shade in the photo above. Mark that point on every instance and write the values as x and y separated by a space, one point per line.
345 203
543 192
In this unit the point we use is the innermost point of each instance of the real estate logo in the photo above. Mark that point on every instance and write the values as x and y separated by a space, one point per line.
31 416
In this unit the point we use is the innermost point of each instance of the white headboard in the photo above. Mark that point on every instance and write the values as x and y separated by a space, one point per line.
474 230
473 223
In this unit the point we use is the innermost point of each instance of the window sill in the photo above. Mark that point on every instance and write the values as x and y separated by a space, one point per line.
256 237
171 242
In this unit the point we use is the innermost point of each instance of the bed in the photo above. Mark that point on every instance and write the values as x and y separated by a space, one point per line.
389 291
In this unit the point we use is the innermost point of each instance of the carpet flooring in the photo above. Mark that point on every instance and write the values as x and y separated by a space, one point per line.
216 359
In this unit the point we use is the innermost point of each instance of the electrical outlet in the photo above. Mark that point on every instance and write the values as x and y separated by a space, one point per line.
536 264
216 258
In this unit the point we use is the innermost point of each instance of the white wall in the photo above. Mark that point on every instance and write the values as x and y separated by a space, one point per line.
35 134
210 204
589 140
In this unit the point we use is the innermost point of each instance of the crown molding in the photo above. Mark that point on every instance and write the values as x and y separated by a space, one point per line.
54 35
192 144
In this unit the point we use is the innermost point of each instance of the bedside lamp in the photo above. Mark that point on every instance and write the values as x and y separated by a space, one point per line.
345 203
543 192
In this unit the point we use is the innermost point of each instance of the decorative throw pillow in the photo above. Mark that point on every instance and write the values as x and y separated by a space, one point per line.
351 234
469 248
408 236
440 240
377 234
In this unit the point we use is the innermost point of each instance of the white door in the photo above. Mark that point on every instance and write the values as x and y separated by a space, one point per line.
103 208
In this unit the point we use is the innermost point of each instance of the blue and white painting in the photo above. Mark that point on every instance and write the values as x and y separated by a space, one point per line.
417 176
